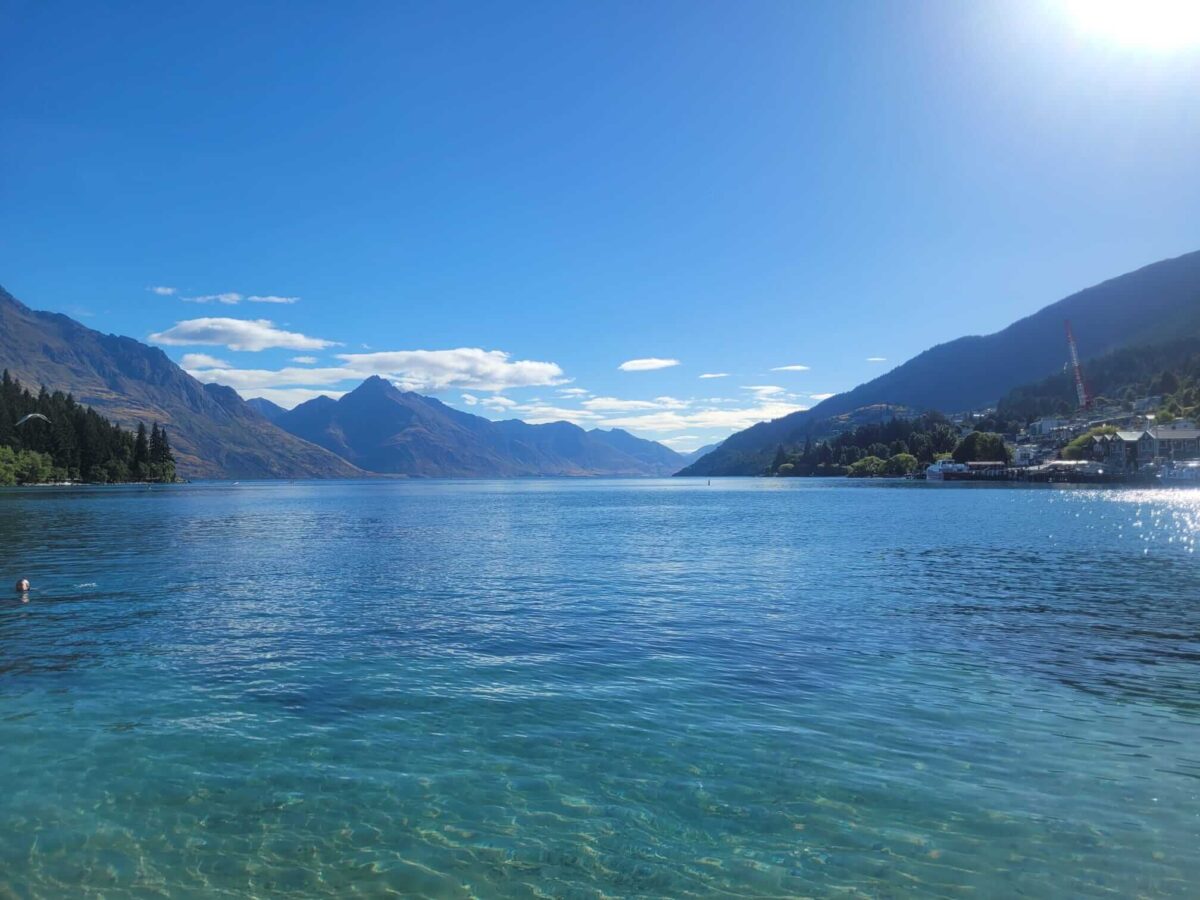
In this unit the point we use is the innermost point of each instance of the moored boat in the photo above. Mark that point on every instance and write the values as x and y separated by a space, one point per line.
947 470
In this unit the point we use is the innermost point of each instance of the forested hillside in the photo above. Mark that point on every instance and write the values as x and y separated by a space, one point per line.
1168 371
896 447
49 437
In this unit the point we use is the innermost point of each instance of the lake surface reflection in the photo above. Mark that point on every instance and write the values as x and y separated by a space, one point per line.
586 688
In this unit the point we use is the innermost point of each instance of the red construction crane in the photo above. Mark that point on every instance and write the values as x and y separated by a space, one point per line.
1081 391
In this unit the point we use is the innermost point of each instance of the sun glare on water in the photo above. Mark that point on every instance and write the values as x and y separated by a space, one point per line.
1160 25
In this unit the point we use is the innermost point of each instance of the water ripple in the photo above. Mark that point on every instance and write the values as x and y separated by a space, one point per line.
600 688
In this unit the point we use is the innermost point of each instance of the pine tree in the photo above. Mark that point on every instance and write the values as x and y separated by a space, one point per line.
780 458
7 418
162 463
141 452
168 458
65 444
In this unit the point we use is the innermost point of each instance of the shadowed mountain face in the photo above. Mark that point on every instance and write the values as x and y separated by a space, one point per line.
382 429
265 408
213 432
1152 304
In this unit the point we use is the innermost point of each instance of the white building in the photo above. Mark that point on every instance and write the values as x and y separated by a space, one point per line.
1044 427
1029 454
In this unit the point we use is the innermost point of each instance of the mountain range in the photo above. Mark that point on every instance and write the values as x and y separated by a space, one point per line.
1150 305
373 429
214 433
382 429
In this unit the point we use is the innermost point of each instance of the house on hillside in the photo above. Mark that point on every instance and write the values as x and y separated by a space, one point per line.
1145 404
1031 454
1046 427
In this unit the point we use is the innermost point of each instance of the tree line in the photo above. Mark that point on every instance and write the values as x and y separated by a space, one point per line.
900 446
76 444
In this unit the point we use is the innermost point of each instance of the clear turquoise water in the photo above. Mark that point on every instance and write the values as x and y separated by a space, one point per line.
600 688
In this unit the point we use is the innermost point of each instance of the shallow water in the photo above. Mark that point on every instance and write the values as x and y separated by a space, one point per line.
600 688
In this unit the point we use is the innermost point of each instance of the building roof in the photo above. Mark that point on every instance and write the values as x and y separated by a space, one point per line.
1176 434
1130 435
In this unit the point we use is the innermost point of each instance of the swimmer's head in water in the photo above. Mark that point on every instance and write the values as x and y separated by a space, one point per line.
22 584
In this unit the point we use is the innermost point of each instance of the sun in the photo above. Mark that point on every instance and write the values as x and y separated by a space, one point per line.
1145 24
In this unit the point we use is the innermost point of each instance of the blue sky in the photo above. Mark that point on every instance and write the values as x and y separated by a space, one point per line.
502 203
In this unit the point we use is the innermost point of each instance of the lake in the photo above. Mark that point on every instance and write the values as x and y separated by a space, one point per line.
585 688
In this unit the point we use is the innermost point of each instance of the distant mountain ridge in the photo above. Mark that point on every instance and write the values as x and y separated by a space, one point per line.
1146 306
214 433
265 408
381 429
692 455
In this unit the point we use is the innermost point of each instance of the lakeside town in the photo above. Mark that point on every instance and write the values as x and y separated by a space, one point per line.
1099 445
1134 441
1139 429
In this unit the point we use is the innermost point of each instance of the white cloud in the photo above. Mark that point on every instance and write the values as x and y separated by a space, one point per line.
410 370
202 361
714 419
687 422
236 334
793 368
821 396
773 394
763 391
573 392
229 299
499 402
254 379
305 360
876 359
647 364
715 375
672 403
683 443
289 398
614 404
466 367
540 414
162 290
